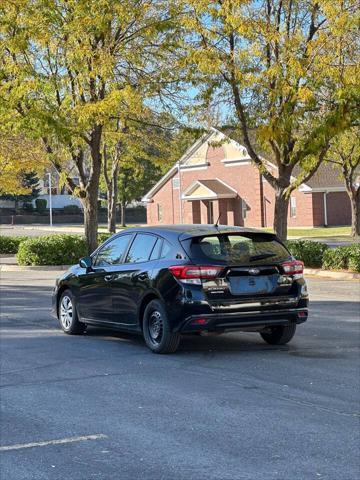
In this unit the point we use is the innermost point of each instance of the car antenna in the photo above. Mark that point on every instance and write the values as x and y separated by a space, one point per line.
216 224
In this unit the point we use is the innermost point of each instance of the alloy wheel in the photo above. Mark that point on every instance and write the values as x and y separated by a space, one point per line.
66 312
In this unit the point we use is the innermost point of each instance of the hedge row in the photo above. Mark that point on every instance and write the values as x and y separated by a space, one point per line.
311 253
342 258
54 249
10 244
319 255
67 249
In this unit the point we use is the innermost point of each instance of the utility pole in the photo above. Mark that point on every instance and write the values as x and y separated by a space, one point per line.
50 199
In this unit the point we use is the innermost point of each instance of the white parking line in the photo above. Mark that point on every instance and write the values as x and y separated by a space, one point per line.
60 441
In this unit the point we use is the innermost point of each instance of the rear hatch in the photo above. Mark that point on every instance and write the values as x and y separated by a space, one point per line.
253 270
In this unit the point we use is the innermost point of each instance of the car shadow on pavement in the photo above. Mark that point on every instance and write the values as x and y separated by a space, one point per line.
331 332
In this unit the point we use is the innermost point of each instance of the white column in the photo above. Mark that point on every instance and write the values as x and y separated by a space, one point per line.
325 210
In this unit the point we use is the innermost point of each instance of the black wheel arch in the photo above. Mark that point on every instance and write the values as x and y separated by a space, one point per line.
146 299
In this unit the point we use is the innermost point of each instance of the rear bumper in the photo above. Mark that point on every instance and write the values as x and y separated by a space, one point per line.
243 320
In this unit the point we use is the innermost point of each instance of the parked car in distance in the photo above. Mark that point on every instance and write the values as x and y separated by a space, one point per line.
166 281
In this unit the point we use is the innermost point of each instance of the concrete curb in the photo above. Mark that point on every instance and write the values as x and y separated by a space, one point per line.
42 268
307 271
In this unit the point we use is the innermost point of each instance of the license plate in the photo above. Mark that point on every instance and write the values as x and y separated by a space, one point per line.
250 285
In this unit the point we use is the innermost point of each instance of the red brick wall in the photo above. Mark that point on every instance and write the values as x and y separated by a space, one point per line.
304 208
338 208
244 179
318 209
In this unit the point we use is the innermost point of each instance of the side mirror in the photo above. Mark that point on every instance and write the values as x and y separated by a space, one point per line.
85 262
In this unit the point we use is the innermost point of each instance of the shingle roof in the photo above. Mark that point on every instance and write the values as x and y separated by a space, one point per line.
325 177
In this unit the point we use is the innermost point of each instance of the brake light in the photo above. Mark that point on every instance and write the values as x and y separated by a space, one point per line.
195 273
295 267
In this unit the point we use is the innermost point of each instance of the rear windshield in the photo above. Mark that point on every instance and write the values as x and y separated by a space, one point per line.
238 249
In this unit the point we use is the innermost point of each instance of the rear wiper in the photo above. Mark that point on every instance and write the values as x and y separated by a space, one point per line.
261 256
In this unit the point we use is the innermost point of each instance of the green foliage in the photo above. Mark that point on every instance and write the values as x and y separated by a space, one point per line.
52 250
342 258
271 63
73 72
344 154
10 244
41 205
354 258
102 237
72 209
311 253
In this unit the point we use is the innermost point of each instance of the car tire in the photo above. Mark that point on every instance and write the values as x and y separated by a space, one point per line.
156 329
279 335
68 316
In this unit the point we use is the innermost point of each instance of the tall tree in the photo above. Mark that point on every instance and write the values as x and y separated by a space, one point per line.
70 66
344 153
134 155
285 72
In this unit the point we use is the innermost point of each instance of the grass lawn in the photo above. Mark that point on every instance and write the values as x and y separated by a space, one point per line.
319 232
328 233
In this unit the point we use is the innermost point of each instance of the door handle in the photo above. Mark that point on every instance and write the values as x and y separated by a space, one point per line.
108 278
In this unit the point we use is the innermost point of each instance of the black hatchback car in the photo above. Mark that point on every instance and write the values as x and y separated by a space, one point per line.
181 279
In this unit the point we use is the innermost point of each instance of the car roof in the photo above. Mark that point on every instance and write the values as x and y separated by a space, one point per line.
186 231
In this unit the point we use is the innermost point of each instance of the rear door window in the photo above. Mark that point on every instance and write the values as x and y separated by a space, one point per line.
238 249
141 248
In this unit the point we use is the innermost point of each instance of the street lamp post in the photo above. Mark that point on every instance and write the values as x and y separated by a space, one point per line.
50 200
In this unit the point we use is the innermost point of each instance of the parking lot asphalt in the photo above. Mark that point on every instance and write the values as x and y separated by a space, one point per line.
102 406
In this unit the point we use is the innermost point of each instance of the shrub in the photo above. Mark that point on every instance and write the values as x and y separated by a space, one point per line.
342 258
40 205
71 209
52 250
10 244
311 253
354 258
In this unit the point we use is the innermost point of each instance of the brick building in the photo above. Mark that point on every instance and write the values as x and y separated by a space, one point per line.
216 177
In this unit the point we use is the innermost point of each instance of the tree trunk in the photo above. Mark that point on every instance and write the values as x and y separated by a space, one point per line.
112 199
355 212
90 204
281 213
111 213
123 210
90 201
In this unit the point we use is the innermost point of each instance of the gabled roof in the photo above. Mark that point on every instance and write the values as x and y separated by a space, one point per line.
326 177
212 134
209 190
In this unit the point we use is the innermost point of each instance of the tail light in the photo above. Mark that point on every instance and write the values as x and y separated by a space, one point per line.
195 273
295 267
